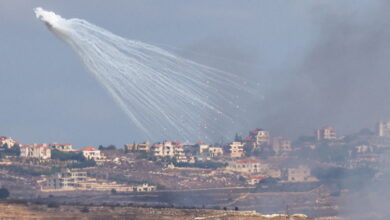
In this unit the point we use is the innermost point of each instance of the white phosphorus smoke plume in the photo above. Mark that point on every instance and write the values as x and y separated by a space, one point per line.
162 94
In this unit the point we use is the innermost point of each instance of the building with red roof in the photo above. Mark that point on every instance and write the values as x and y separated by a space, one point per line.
92 153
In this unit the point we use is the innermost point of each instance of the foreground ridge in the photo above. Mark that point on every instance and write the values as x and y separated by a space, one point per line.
24 210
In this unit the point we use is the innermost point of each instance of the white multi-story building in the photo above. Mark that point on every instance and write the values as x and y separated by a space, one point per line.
61 147
325 133
383 129
170 149
215 151
67 179
236 149
260 137
203 148
78 180
145 147
180 155
166 149
39 151
92 153
281 145
7 141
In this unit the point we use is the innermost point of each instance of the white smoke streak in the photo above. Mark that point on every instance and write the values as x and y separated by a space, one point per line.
162 94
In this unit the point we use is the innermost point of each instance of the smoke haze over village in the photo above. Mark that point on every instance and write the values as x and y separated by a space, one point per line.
280 108
317 63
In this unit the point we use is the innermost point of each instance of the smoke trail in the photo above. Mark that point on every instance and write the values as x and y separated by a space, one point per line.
161 93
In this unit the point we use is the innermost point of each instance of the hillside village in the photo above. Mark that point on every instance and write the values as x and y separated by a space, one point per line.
259 161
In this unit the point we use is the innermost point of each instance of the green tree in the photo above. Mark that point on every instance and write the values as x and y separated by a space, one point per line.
237 138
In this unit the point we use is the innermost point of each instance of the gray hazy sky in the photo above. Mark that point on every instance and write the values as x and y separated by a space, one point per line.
318 62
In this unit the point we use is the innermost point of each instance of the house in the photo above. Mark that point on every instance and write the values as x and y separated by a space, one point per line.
383 129
236 149
215 151
248 165
67 179
274 173
325 133
253 180
7 142
144 147
170 149
281 145
179 153
92 153
203 148
166 149
300 174
191 149
144 188
260 137
61 147
39 151
78 180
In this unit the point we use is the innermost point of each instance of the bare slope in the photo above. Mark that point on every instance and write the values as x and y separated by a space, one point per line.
40 212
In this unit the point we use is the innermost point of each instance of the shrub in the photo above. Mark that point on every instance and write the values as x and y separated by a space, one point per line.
86 163
84 210
53 205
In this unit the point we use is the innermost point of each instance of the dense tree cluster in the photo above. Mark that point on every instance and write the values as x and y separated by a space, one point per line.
64 156
13 151
82 164
109 147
